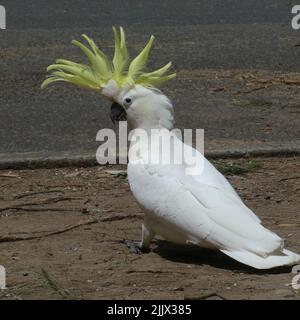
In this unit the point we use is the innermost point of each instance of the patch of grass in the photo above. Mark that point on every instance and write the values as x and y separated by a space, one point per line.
295 111
255 102
237 168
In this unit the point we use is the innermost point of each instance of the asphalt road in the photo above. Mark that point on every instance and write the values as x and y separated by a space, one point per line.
195 35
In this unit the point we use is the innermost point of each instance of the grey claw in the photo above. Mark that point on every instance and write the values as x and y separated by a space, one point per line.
135 247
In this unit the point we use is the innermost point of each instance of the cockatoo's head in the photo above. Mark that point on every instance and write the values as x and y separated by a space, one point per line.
133 92
143 108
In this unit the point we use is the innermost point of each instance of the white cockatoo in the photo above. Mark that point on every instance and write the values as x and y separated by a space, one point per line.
200 208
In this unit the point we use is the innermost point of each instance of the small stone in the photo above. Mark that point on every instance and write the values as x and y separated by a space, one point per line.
84 210
178 289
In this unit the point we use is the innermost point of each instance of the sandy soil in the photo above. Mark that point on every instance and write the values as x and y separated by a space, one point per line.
78 218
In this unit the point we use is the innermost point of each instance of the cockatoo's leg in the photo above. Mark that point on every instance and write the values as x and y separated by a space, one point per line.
144 244
147 236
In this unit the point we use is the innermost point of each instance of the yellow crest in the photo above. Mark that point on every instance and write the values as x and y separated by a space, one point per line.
123 71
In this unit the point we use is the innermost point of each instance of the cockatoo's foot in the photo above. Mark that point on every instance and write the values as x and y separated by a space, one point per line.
135 247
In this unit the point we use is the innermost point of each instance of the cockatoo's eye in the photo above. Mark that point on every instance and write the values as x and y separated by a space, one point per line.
127 101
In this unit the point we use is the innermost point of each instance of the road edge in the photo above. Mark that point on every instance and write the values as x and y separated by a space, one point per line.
18 161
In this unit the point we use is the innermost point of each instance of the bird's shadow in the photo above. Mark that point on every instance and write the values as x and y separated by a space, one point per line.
192 254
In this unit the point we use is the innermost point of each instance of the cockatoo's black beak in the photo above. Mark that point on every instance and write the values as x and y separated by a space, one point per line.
117 113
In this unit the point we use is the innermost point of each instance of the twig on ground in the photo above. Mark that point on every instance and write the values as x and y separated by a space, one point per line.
19 206
55 209
288 225
289 178
154 271
291 81
14 238
9 184
270 81
119 217
66 186
64 293
205 296
219 89
253 89
28 194
9 175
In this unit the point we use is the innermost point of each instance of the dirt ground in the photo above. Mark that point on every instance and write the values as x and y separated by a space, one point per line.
72 222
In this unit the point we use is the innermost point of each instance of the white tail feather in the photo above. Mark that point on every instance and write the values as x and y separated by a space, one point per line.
283 258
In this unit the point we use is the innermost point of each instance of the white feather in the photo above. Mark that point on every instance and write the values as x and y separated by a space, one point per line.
201 209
